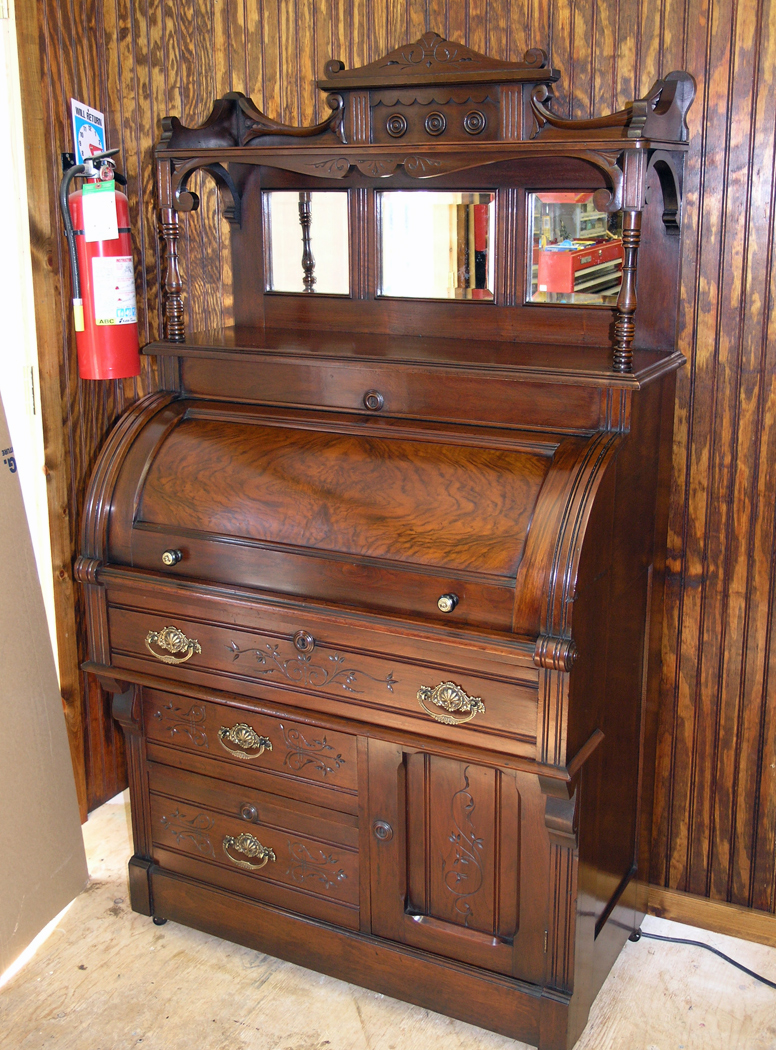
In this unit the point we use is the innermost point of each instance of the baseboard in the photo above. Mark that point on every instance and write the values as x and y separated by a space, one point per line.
732 919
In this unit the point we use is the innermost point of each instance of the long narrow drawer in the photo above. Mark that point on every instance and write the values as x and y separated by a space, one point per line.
310 663
281 756
267 847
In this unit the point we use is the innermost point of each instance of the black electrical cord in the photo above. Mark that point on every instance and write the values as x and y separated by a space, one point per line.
699 944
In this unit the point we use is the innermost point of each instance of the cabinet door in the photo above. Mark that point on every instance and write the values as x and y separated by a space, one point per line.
459 859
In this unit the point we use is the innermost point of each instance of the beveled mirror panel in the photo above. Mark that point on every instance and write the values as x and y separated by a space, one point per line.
436 245
307 242
575 251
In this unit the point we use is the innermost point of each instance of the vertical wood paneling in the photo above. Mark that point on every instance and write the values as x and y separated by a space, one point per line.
715 805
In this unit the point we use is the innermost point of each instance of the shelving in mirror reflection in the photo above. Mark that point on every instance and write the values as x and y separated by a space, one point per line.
306 241
576 252
436 245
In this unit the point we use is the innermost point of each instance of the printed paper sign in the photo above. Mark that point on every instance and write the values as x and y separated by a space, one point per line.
113 280
99 206
88 131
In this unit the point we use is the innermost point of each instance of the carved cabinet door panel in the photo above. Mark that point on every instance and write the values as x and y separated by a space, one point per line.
459 859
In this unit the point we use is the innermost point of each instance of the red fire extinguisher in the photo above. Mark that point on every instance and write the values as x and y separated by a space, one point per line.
104 306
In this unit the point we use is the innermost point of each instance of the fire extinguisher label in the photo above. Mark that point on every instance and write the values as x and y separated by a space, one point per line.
101 221
113 280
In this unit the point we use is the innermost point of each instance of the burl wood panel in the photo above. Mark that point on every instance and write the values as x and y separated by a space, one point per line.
715 831
350 495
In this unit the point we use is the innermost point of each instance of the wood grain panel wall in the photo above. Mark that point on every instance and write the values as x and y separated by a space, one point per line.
715 818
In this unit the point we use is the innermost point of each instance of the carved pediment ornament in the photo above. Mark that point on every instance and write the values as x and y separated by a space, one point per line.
433 56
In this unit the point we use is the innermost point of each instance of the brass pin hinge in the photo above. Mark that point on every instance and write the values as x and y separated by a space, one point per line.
546 940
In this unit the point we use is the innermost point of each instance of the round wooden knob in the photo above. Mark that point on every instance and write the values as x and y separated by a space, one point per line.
374 400
383 830
249 812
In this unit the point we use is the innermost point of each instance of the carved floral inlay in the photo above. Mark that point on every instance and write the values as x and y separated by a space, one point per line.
303 752
462 867
187 722
301 670
195 828
305 865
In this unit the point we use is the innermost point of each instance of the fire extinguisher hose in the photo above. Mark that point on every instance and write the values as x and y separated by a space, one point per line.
64 193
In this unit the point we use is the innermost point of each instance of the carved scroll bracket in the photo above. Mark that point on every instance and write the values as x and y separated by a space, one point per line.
185 199
126 710
662 170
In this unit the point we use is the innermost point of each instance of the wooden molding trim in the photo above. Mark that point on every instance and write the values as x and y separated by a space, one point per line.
732 919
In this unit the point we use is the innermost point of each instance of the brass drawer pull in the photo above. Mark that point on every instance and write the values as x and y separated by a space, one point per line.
174 641
171 557
450 697
246 737
251 847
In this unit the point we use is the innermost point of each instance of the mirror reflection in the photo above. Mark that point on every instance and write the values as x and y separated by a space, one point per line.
307 241
437 245
577 250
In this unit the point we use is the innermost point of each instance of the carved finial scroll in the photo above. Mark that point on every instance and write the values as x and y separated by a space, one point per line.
236 120
661 114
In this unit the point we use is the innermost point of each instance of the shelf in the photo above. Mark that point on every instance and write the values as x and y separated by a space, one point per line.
588 365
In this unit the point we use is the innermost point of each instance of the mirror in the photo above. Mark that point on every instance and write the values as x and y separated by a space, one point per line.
576 251
306 236
436 245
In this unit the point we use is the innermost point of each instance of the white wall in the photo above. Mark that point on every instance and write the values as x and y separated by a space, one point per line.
19 381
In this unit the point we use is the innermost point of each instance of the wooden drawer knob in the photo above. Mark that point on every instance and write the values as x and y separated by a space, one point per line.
374 400
383 830
249 812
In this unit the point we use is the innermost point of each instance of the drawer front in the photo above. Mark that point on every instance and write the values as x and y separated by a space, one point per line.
452 702
274 850
287 752
414 392
354 582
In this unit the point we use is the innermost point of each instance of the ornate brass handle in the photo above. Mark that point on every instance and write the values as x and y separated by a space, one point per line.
246 737
174 641
251 847
450 697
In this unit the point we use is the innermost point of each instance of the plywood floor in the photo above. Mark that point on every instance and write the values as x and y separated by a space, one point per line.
107 979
